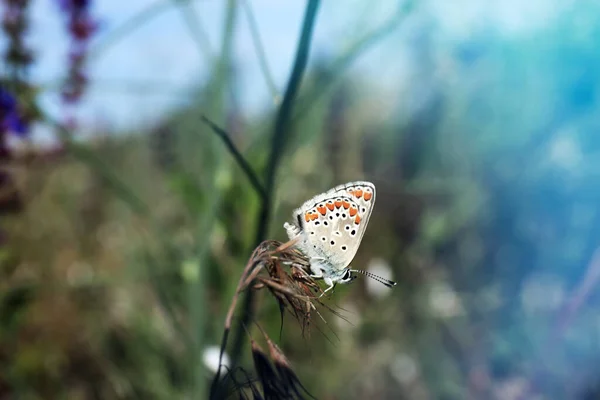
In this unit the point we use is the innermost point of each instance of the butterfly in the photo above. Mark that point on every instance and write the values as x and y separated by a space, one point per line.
329 228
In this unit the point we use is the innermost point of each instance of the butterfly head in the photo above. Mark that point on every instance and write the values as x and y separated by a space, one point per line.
347 276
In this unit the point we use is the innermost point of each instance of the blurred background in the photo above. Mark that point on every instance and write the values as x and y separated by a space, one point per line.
127 221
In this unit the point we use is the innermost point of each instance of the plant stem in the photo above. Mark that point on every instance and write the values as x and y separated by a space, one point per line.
260 51
278 142
252 177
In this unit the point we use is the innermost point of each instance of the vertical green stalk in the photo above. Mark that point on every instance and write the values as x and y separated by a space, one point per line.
199 35
345 60
153 10
260 51
215 97
278 142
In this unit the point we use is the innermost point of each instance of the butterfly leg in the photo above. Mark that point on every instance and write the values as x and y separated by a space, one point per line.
316 271
331 286
316 275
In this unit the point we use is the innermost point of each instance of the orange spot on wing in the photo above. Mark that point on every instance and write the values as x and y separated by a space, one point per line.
357 220
307 217
345 204
338 204
358 193
330 206
322 210
368 196
314 216
353 211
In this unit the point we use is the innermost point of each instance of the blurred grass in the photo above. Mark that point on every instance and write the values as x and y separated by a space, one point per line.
117 276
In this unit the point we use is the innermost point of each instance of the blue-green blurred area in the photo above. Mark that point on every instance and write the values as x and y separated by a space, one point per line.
120 265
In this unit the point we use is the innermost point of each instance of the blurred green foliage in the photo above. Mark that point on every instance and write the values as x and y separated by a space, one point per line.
117 275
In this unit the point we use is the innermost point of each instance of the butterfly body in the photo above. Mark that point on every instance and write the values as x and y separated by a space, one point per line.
330 227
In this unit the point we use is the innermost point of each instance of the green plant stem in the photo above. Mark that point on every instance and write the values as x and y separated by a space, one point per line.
278 142
345 60
198 288
135 22
252 177
192 21
260 52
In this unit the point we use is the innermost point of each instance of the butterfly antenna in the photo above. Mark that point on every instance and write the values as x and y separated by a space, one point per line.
378 278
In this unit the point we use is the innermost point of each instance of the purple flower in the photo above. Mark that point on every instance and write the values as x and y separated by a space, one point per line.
7 100
16 124
81 26
76 4
11 119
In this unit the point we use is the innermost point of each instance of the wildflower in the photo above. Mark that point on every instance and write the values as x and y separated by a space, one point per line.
11 119
14 24
81 26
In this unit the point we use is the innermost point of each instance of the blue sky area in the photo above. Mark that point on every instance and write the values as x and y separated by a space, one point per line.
139 78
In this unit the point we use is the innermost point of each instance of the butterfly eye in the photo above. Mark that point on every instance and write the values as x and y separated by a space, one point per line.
346 275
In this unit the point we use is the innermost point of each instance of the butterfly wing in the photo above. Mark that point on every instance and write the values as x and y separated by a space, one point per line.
332 224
